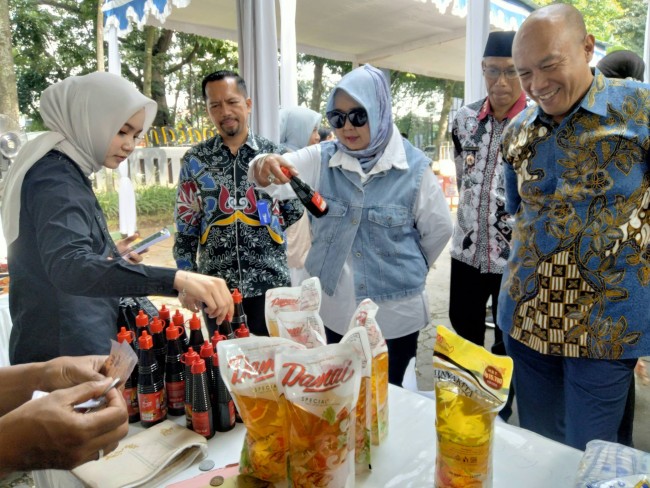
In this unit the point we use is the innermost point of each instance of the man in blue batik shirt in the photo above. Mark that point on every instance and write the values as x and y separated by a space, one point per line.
575 297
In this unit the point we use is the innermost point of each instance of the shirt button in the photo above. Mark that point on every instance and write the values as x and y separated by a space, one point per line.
362 287
355 221
358 254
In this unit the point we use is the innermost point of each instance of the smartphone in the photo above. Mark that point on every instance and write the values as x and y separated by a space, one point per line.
149 241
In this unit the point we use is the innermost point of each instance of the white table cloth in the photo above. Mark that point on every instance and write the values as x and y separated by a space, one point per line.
407 458
5 329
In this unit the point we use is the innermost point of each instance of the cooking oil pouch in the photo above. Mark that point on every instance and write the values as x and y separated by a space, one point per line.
358 337
611 465
364 317
304 327
306 297
247 366
471 386
320 388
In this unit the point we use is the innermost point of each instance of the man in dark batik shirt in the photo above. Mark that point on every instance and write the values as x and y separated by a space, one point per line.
219 232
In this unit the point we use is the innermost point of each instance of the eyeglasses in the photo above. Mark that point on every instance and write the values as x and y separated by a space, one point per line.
358 117
495 73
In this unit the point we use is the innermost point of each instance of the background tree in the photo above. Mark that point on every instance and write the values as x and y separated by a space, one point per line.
8 92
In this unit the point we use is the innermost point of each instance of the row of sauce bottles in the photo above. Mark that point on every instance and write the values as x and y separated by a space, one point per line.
178 374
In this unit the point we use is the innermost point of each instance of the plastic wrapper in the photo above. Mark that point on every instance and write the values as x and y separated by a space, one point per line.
247 366
304 327
306 297
364 317
610 465
320 388
471 387
358 337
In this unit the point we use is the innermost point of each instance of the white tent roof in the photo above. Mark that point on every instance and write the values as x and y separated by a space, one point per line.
420 36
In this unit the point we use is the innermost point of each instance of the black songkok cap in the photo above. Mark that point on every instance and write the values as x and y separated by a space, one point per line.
499 44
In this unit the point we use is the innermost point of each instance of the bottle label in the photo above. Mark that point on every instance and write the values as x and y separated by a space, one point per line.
131 398
318 201
202 423
188 415
175 394
152 406
231 412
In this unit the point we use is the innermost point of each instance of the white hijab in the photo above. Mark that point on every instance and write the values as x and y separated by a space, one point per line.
83 114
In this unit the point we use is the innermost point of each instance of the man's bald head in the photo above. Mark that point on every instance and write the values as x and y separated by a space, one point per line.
551 52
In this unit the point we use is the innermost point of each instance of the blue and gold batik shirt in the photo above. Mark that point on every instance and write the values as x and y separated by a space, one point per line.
578 275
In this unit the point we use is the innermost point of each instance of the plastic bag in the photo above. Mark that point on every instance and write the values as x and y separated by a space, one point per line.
364 317
247 366
610 465
305 297
471 387
320 387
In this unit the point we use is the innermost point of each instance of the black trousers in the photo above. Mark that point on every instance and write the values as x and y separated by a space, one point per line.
254 310
468 295
400 352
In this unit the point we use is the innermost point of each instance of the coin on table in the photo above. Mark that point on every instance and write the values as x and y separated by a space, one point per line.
206 465
216 481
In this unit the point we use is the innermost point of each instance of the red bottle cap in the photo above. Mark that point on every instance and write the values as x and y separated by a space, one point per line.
195 322
190 356
178 318
156 326
173 332
163 313
145 341
206 349
242 331
142 319
198 366
215 360
236 296
216 338
286 172
124 335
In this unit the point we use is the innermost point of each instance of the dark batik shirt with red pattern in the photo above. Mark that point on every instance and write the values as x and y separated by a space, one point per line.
218 227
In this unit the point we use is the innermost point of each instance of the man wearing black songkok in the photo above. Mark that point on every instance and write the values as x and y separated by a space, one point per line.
481 241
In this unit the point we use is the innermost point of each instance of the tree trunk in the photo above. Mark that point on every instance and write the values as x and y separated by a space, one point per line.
100 37
443 122
317 91
150 35
8 90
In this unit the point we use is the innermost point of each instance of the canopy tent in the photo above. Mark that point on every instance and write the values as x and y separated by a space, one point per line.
425 37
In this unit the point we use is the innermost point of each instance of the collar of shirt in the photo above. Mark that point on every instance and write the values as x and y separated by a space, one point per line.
393 157
251 141
594 101
517 107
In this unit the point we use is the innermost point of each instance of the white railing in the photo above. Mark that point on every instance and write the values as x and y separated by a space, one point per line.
147 166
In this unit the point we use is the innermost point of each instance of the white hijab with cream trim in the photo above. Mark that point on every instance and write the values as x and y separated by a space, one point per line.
83 114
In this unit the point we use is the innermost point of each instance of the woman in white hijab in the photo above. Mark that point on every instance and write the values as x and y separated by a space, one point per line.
387 221
66 272
298 128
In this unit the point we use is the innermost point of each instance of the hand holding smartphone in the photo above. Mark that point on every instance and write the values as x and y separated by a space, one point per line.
144 244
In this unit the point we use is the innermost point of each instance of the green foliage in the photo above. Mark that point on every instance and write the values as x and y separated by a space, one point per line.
151 202
50 43
619 23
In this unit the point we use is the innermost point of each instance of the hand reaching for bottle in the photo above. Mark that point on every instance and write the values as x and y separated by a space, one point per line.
195 289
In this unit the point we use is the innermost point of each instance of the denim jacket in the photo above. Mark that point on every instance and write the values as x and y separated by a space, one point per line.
378 232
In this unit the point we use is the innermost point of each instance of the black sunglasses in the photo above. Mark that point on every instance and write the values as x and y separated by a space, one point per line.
358 117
